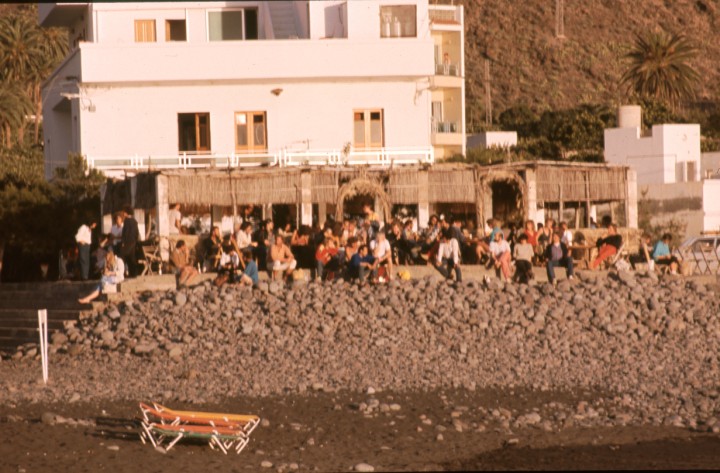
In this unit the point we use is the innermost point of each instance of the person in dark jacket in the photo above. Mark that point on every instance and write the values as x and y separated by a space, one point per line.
607 246
556 254
129 241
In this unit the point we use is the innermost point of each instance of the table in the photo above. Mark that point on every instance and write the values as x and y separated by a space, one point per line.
587 253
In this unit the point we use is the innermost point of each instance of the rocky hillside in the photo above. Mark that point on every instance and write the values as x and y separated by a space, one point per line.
529 65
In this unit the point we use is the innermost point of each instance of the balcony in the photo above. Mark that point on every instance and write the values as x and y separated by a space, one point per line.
60 14
383 157
446 17
253 60
446 133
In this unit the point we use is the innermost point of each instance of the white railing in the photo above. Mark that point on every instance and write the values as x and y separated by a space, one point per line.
447 69
281 158
445 127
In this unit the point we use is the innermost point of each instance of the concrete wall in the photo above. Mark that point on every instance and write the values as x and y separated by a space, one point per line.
695 203
492 139
143 120
656 157
710 163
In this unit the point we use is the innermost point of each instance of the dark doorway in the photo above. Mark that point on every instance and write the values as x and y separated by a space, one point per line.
505 197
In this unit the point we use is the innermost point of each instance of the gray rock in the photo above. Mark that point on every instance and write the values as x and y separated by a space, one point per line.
180 299
363 467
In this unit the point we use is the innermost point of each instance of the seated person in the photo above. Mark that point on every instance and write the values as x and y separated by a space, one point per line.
523 254
607 246
662 256
101 252
250 276
326 258
448 256
566 235
213 250
230 257
362 264
180 259
281 258
382 252
500 254
243 237
113 273
556 254
643 254
351 249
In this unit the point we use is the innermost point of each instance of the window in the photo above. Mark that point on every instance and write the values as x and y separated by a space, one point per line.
145 31
398 21
232 25
175 30
194 132
250 131
368 129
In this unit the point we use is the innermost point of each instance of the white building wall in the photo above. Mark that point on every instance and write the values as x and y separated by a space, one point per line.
711 205
656 157
143 119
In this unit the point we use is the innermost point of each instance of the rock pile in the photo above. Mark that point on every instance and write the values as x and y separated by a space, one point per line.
651 346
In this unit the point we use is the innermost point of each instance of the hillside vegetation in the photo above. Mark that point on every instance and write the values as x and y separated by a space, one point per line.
530 66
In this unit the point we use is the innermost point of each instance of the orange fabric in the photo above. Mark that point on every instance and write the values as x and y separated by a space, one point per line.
604 252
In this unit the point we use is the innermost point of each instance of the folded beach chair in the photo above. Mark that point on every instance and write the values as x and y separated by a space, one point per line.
166 435
163 415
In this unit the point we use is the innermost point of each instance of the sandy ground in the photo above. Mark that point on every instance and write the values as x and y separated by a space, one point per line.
326 432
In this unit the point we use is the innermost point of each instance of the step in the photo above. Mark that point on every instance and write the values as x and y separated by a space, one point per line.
32 314
49 286
27 323
50 304
20 333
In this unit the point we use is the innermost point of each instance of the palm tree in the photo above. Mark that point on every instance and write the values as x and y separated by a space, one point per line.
14 108
660 69
28 54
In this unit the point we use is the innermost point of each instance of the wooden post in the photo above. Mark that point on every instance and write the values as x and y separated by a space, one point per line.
587 199
560 204
577 216
559 19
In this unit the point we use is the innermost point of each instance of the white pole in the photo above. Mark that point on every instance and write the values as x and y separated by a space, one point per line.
42 325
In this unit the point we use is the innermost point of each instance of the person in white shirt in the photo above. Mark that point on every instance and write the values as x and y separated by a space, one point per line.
382 252
83 237
566 235
243 237
175 219
448 256
113 273
500 252
116 231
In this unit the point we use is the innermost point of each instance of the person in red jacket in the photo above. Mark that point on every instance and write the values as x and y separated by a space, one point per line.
326 257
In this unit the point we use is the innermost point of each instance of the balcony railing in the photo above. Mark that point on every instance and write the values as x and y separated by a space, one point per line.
447 69
445 127
281 158
445 14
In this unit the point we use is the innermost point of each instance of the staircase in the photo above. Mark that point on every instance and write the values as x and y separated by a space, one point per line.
282 15
19 304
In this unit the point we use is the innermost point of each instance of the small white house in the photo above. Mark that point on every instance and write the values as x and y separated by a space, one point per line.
670 175
197 84
493 139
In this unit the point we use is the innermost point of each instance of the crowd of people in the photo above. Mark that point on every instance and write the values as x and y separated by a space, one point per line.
368 251
357 249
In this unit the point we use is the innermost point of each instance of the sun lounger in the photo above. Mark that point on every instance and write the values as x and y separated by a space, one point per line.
164 415
161 425
166 436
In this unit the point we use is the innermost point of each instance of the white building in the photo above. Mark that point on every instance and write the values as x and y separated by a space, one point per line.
669 168
194 84
493 139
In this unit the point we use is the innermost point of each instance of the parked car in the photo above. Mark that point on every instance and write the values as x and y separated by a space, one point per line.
702 253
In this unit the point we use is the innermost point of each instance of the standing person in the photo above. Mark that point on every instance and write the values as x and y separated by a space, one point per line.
448 256
556 254
566 236
130 240
83 237
263 238
175 218
500 251
116 232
